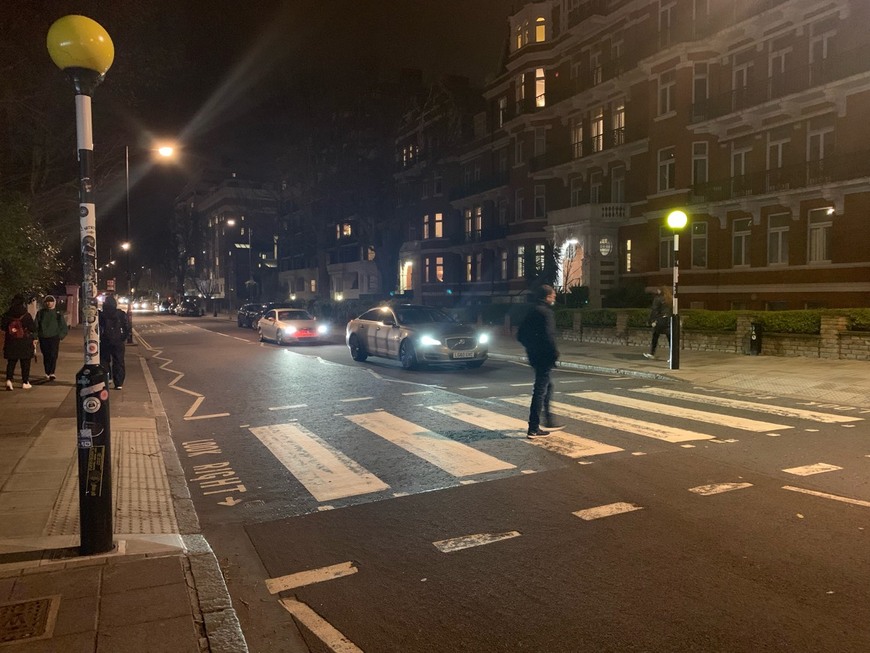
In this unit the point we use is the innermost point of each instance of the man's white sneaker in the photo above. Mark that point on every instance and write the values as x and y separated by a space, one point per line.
26 386
9 385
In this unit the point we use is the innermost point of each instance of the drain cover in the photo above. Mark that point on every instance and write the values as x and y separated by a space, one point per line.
28 620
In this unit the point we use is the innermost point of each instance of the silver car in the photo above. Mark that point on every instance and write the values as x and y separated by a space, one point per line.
415 335
285 325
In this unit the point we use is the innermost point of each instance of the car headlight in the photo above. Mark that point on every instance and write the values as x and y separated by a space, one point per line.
429 341
483 338
322 328
289 330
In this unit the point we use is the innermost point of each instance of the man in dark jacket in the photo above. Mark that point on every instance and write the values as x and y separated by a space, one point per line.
51 328
537 333
20 331
113 338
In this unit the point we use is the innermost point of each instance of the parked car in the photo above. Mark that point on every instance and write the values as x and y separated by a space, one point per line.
416 335
190 307
261 309
285 325
245 316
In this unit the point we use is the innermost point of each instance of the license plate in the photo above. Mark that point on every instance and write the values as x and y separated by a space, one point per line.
463 354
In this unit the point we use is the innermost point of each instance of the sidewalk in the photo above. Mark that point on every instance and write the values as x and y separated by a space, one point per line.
161 585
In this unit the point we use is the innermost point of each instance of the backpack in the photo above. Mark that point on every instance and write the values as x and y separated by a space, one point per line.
15 329
113 328
525 336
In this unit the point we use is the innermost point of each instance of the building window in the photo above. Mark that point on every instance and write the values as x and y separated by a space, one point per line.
820 146
577 138
426 227
739 179
595 72
576 191
821 47
666 21
521 261
312 285
518 205
777 239
540 88
439 225
596 183
502 212
437 185
699 244
628 255
667 85
478 266
700 89
540 257
740 242
477 222
406 276
821 224
618 120
597 129
666 163
519 155
434 269
540 29
504 264
617 184
520 92
699 163
666 249
540 141
540 201
468 267
467 216
502 111
343 230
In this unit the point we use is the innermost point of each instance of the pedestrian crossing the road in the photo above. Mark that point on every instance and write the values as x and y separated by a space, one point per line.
486 440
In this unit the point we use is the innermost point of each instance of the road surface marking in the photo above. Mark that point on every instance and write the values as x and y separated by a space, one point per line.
469 541
780 411
683 413
825 495
302 578
451 456
809 470
718 488
521 385
288 407
325 472
358 399
638 427
606 511
419 392
319 627
474 387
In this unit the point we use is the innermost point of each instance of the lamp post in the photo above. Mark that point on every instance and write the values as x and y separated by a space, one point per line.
84 51
676 221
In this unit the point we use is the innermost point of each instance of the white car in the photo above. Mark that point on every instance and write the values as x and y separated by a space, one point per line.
284 325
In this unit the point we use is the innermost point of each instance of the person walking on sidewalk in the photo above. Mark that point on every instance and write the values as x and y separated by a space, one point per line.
20 330
660 318
537 333
113 339
51 328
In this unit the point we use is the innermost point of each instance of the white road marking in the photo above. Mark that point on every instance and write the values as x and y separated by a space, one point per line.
325 472
468 541
606 511
809 470
320 628
242 339
288 407
302 578
419 392
358 399
683 413
638 427
474 387
453 457
718 488
521 385
781 411
825 495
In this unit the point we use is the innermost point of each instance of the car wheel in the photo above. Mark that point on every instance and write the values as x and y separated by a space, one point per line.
474 364
356 350
239 322
408 356
279 337
260 335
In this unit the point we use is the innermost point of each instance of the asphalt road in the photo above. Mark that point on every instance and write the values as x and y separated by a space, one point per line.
664 518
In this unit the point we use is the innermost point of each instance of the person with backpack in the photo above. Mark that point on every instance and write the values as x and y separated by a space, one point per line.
113 339
537 333
51 328
19 330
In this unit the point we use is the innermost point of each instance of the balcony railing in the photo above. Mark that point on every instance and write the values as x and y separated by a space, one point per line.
796 80
487 233
479 186
587 10
586 147
804 175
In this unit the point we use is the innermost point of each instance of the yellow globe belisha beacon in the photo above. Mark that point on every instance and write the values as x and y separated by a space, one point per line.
80 42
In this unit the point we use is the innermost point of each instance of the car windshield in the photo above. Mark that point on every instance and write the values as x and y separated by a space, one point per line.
421 315
294 315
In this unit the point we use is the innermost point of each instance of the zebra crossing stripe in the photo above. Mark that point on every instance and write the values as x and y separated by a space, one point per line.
453 457
608 510
636 426
780 411
684 413
562 443
325 472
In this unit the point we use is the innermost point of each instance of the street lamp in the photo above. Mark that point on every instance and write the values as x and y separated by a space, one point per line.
84 51
676 221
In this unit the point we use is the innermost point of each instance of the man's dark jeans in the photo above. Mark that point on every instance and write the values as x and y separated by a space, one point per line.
541 395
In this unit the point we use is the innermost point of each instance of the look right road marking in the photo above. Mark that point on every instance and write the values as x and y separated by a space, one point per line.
809 470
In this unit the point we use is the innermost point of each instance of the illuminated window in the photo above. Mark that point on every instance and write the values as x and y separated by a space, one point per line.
821 224
628 255
478 266
468 267
597 129
540 29
434 269
439 225
313 285
521 261
540 251
540 88
343 230
425 227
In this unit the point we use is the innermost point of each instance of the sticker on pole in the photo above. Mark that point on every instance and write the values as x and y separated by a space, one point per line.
91 405
86 439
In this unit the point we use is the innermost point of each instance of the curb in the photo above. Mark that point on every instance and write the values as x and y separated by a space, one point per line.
585 367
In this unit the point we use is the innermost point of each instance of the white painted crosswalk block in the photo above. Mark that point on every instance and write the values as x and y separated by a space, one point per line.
809 470
684 413
638 427
562 443
325 472
780 411
453 457
718 488
608 510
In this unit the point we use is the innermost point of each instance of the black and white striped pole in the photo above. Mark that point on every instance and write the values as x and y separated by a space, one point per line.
83 50
676 221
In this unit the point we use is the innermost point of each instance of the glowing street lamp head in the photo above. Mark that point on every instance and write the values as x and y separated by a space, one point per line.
677 219
166 151
125 246
80 42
